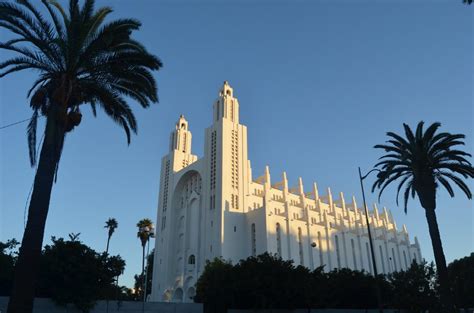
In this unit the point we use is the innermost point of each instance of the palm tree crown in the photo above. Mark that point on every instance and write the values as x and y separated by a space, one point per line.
423 160
145 228
111 224
81 60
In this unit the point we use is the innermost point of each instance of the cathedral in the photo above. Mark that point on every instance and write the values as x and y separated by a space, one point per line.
214 207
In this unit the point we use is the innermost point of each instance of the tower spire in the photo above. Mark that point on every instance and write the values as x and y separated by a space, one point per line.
226 106
180 138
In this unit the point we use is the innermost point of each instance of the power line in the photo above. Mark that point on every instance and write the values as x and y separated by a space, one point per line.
13 124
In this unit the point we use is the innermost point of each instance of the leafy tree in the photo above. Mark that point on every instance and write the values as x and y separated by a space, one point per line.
461 274
213 287
268 281
414 290
424 161
72 272
348 289
80 60
8 255
111 224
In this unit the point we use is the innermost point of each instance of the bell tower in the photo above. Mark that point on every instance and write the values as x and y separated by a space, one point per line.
226 106
180 138
228 170
180 145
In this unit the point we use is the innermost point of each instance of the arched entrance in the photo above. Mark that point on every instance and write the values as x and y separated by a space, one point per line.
178 295
191 293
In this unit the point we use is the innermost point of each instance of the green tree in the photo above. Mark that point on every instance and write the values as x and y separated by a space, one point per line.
111 224
72 272
80 60
423 161
8 255
348 289
214 287
461 274
414 290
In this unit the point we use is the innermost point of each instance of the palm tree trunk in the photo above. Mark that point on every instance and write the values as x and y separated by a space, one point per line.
143 266
107 248
27 265
445 291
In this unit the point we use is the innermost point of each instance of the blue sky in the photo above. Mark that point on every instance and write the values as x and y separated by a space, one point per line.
319 83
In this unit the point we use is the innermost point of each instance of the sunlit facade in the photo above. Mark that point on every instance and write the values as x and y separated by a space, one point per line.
214 207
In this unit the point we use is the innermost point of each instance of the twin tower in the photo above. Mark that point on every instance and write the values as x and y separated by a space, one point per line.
212 207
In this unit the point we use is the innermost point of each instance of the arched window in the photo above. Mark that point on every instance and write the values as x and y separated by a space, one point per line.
278 238
300 244
320 248
382 260
405 259
394 260
192 259
369 259
254 240
354 254
338 256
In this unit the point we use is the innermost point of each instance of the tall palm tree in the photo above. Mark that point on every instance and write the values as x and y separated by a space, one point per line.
145 232
422 162
80 60
111 224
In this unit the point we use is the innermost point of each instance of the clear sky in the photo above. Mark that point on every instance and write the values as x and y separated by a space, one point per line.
319 83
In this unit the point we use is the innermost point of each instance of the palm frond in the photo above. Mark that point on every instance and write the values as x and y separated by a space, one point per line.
446 185
460 183
31 130
423 161
81 58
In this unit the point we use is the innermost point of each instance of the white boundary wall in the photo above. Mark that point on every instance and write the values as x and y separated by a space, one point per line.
48 306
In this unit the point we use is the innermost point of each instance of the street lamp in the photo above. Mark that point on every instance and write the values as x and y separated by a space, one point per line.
374 265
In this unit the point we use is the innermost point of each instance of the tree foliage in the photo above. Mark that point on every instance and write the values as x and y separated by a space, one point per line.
461 275
268 282
72 272
8 255
414 290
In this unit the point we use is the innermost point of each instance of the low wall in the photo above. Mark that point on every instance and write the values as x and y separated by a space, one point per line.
316 311
48 306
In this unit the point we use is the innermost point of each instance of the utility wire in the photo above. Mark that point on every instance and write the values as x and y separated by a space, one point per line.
13 124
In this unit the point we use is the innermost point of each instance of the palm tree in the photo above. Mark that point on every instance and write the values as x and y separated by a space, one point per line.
111 224
424 161
145 232
80 60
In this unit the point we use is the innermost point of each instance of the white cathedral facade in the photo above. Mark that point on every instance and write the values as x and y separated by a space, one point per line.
214 207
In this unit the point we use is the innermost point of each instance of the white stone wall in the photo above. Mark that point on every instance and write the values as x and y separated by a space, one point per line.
213 207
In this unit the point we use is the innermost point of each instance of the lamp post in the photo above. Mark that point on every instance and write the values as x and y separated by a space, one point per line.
374 265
